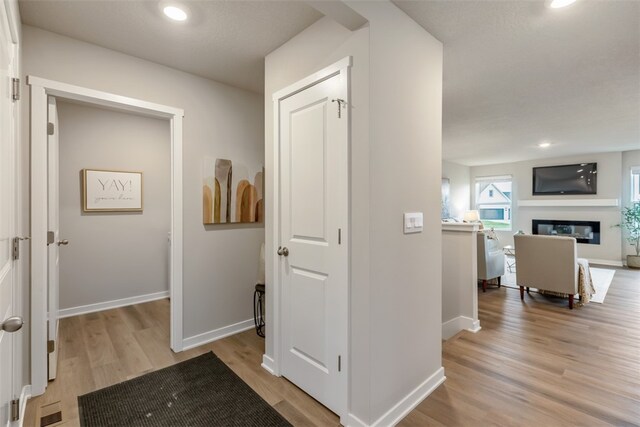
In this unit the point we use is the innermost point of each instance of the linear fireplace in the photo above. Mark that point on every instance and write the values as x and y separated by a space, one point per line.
584 231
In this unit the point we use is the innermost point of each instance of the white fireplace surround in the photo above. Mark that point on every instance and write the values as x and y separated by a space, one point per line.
569 203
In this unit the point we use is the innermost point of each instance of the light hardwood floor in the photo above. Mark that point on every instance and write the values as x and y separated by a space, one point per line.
533 363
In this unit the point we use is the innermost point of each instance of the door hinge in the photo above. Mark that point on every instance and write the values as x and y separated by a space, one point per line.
50 128
15 409
339 363
16 248
339 236
51 346
15 89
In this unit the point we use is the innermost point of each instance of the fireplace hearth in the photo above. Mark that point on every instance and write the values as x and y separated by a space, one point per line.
586 232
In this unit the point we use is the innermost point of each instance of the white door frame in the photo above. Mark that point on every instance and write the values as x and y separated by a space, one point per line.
40 90
340 67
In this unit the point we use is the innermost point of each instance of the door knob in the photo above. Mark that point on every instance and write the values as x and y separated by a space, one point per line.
64 242
283 251
12 324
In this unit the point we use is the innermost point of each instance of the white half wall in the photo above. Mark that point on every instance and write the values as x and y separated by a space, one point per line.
113 255
220 262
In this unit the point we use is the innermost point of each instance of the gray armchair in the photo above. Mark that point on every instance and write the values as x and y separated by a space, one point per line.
490 260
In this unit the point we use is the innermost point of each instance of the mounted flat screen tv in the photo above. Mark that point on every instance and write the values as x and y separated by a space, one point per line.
581 178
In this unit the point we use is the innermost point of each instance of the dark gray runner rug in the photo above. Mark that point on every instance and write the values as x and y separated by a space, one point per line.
201 391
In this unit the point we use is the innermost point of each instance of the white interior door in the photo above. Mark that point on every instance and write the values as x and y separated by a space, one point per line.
8 290
54 242
313 235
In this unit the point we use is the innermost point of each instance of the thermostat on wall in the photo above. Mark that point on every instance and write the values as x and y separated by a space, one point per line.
413 222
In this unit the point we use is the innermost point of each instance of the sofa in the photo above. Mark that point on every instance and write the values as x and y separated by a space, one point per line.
490 259
547 263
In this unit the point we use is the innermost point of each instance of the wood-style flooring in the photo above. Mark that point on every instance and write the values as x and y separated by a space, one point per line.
537 363
533 363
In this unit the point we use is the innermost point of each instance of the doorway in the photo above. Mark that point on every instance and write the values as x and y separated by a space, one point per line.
41 91
311 293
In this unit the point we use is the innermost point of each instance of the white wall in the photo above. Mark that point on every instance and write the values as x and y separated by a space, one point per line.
629 159
220 262
396 168
406 175
113 255
460 195
609 187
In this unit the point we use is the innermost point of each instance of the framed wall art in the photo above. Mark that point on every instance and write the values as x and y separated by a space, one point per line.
231 192
111 191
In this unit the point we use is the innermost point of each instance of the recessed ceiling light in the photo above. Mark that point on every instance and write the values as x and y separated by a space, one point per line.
544 144
175 13
557 4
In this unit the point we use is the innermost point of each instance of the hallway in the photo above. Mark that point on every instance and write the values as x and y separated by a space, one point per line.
101 349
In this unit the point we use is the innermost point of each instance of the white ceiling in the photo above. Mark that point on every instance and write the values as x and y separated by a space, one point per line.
517 73
222 40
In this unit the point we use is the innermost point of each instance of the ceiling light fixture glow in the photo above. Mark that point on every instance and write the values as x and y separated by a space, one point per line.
175 13
557 4
544 144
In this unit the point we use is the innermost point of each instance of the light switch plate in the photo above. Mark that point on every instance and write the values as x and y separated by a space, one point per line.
413 222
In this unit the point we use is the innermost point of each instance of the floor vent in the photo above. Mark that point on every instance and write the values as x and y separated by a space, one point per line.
50 414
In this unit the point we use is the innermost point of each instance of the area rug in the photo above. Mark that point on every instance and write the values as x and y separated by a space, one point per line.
601 278
201 391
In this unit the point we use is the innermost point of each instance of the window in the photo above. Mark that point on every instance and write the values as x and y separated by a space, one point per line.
635 184
493 201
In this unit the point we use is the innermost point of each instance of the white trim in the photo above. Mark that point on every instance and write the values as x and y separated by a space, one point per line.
108 305
39 273
216 334
269 364
494 178
401 409
570 203
457 324
40 90
25 395
612 263
78 93
176 237
313 79
353 421
460 226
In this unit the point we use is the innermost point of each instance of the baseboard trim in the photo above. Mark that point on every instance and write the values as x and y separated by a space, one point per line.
353 421
269 364
410 401
25 395
608 262
108 305
217 334
457 324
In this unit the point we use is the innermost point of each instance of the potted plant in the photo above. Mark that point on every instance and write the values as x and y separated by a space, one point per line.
631 222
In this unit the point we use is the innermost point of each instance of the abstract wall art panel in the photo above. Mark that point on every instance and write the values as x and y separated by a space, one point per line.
231 193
